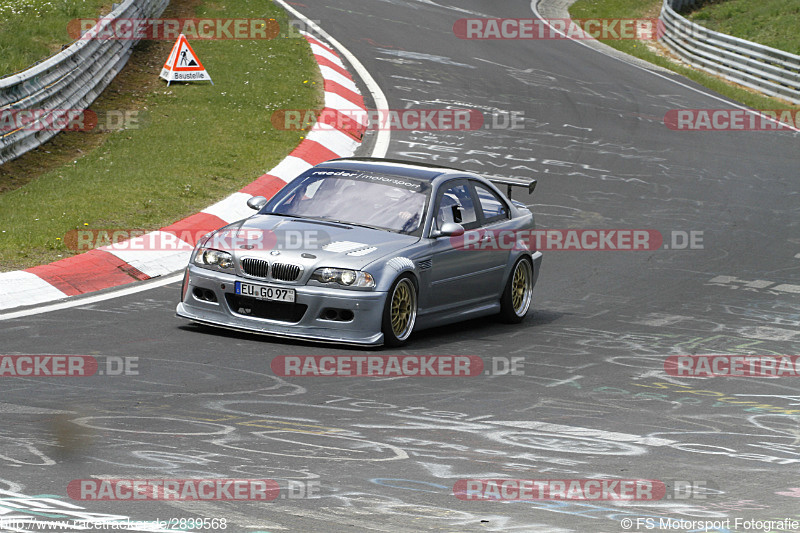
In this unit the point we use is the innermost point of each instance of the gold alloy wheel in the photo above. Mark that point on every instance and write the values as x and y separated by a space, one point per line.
521 288
403 311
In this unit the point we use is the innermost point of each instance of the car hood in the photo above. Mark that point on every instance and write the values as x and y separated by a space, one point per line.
309 243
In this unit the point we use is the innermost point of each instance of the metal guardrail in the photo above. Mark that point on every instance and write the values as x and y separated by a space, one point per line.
768 70
69 80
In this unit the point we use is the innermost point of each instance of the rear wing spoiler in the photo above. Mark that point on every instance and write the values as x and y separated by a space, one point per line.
530 184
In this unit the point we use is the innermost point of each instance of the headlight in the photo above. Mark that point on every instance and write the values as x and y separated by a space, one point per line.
345 277
208 257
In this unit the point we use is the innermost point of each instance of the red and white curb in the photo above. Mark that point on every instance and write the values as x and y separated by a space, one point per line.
127 262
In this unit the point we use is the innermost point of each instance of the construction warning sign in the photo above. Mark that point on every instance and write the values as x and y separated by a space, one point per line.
183 64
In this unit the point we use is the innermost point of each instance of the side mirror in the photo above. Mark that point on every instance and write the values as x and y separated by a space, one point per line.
256 203
450 229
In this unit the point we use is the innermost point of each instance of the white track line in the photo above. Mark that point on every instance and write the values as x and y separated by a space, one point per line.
384 135
76 301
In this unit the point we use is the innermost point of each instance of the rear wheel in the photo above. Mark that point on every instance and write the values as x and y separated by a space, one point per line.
517 296
400 312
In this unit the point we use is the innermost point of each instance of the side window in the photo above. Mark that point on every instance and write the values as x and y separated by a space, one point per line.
493 207
455 205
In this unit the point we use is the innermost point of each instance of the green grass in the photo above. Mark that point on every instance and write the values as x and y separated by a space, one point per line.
198 143
651 9
32 30
774 23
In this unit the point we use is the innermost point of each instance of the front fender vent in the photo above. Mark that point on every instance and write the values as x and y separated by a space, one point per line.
400 263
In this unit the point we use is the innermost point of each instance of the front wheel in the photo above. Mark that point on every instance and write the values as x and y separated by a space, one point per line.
517 296
400 312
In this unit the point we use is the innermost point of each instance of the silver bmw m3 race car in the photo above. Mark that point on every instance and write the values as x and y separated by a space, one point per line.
366 251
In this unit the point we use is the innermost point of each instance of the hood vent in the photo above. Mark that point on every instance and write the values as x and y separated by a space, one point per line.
343 246
363 251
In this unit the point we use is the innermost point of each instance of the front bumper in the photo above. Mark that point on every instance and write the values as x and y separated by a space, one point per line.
301 320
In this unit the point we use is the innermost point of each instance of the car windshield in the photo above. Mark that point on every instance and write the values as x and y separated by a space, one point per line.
384 201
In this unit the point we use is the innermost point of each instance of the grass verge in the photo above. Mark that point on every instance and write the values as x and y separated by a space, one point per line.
656 54
772 23
32 30
192 144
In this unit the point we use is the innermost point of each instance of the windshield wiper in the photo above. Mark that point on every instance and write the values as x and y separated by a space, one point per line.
282 214
347 223
325 219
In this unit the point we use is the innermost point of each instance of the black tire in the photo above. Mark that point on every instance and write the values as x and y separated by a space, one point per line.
518 293
399 312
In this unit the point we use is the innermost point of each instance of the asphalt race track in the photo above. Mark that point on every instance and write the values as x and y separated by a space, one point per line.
590 397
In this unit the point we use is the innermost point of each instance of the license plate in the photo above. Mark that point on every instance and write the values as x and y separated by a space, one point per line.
264 292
